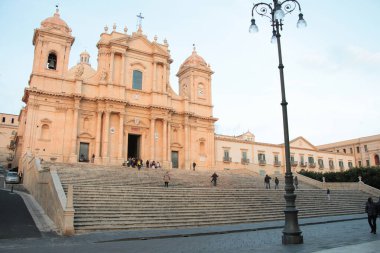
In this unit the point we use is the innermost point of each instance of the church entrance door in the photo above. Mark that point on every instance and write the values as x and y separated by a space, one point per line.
134 146
175 159
83 152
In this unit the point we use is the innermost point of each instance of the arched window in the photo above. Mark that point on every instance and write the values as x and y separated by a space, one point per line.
137 80
52 61
45 132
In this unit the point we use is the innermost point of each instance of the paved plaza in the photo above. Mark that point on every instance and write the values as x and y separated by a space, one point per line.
348 233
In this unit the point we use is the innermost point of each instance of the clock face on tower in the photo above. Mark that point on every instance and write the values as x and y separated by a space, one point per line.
200 90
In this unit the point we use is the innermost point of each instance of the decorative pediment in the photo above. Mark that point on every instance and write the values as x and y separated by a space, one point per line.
301 142
136 122
139 64
46 121
86 135
176 145
140 43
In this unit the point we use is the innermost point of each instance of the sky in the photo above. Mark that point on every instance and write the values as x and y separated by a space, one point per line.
332 68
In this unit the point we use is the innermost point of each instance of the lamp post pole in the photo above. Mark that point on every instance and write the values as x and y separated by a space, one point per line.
292 234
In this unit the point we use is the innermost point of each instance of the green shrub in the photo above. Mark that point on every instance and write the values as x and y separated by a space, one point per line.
370 176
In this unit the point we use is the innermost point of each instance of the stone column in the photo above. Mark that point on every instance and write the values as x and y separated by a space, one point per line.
169 155
154 76
164 140
165 79
122 81
187 132
98 134
74 136
106 137
152 139
111 67
121 136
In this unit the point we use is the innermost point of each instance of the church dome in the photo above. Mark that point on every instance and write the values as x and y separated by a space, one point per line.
194 60
56 22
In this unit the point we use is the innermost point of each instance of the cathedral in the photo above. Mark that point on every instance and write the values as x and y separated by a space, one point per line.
127 108
124 108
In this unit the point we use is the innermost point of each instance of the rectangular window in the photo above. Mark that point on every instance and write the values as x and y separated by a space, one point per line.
292 158
341 165
358 149
337 150
276 158
320 163
261 157
360 163
3 120
331 164
310 159
365 148
226 154
13 120
244 155
351 150
367 163
137 80
344 150
302 158
350 165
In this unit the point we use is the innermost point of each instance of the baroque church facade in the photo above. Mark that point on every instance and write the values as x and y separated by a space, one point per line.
124 108
127 108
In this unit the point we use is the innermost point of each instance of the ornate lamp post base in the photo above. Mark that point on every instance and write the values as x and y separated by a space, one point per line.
291 233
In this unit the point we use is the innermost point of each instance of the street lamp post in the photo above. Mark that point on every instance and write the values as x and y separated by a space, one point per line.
276 12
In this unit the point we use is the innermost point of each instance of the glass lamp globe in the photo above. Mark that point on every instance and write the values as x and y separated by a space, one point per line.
301 22
279 14
253 27
274 38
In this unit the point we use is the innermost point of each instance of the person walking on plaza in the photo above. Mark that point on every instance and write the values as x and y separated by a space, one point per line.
267 181
276 182
194 164
328 194
147 164
214 178
166 179
139 164
370 209
296 182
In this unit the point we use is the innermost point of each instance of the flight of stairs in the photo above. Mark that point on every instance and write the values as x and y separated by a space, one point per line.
110 198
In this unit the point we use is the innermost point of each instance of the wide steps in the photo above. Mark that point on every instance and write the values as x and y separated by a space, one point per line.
114 197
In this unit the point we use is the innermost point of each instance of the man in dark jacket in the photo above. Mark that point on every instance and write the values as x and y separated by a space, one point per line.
371 210
214 178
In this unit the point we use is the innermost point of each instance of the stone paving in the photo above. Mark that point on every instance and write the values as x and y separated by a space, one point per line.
350 234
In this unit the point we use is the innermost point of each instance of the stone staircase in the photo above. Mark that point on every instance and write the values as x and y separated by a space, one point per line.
110 198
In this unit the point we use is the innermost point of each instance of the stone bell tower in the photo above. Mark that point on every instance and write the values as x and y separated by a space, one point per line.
195 80
52 44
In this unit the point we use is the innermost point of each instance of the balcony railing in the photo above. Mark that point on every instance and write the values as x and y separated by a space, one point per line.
341 167
294 163
303 164
227 159
244 161
262 162
321 167
277 163
331 167
312 165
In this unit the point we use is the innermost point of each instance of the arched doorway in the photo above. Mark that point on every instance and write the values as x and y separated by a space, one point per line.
377 161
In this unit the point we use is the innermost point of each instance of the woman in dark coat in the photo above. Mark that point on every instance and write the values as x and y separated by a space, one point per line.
370 209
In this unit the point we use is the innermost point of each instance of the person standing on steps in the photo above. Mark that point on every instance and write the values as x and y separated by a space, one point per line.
328 194
276 182
296 182
166 179
194 164
214 178
267 181
370 209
